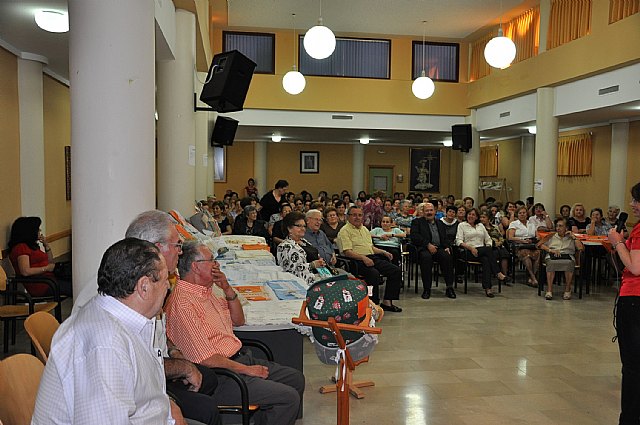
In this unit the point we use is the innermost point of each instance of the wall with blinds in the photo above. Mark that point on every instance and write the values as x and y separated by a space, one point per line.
620 9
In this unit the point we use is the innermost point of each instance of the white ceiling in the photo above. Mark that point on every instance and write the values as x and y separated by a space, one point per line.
454 19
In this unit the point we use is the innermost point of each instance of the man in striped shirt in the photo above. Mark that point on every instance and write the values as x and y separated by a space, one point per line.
201 325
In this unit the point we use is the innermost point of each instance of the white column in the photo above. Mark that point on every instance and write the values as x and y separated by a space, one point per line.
545 13
260 168
204 156
471 163
30 105
546 155
357 168
112 79
618 168
527 161
177 156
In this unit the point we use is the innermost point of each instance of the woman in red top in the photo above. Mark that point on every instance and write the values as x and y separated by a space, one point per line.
628 315
28 259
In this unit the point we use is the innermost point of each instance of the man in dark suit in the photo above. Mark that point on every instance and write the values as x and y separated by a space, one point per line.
429 235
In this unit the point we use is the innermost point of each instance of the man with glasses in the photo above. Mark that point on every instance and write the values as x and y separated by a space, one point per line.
317 238
191 384
354 241
201 324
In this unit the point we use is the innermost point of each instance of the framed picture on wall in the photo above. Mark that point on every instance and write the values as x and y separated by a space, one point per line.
219 164
425 170
309 162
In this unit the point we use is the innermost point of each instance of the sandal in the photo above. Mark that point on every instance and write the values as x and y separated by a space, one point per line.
566 296
548 296
532 283
501 277
489 293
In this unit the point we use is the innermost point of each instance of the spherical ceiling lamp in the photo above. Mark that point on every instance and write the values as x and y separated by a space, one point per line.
293 82
52 20
423 86
319 42
500 51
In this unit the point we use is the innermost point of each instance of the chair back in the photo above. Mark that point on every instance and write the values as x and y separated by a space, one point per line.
40 327
19 380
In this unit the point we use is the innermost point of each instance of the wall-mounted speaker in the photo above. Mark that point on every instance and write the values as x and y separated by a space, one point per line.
228 81
461 137
224 131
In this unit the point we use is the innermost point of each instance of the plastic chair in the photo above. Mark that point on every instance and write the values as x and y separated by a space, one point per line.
40 327
19 380
17 304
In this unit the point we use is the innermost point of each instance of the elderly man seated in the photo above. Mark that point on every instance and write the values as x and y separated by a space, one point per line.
200 323
318 238
354 242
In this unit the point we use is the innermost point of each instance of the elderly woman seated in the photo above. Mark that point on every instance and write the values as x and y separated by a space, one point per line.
388 238
248 224
522 235
598 226
295 255
560 248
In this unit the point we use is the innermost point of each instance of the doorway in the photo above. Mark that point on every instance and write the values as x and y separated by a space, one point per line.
380 179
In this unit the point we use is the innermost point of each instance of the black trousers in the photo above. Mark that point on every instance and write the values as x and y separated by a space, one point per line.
200 406
371 275
426 259
628 327
487 257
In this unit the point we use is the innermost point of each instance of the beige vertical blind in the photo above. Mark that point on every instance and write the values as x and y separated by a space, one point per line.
488 161
574 155
568 20
523 30
620 9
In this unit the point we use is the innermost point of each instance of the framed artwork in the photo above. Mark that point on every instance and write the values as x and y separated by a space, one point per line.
309 162
219 164
425 170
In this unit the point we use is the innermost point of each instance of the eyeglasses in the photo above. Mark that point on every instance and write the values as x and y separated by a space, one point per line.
207 260
176 244
300 225
634 201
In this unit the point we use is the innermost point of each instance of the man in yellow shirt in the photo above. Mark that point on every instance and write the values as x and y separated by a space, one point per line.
354 242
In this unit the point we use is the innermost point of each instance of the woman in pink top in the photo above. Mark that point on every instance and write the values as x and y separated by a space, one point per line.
627 315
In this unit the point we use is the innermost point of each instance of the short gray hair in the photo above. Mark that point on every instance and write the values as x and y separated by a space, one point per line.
190 254
249 209
312 212
151 226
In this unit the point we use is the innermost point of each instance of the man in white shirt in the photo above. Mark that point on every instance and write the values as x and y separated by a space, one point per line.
103 367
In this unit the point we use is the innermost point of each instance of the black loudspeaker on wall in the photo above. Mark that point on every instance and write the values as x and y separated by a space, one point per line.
224 131
228 81
461 137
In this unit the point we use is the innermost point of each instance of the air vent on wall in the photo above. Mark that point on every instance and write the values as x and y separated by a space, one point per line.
341 117
608 90
504 114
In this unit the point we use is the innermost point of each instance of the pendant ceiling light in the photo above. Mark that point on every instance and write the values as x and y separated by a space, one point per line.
52 20
293 81
319 42
500 51
423 86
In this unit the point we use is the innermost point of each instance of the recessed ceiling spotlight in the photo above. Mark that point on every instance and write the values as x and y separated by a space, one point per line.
364 141
447 142
52 20
276 138
532 129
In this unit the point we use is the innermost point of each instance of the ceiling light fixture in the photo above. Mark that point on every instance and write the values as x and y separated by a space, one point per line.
500 51
276 138
447 143
364 141
293 81
423 86
319 42
532 129
52 20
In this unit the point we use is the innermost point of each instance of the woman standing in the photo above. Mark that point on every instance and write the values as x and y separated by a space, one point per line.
28 259
473 237
292 252
627 315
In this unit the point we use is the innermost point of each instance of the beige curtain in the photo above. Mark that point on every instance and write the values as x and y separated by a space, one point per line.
574 155
620 9
568 20
488 161
523 30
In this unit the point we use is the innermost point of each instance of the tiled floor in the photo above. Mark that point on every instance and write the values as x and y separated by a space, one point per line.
514 359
